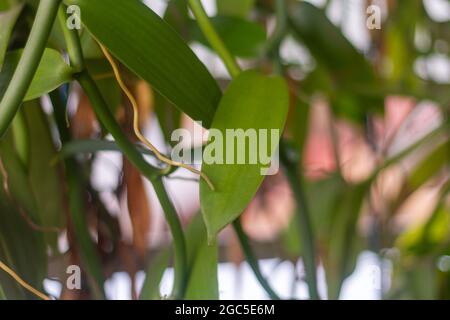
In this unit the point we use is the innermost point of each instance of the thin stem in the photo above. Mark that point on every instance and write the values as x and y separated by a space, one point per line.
305 226
252 260
280 29
213 37
29 62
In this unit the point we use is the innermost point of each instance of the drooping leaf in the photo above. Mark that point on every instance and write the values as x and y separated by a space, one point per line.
20 248
51 73
91 49
150 48
327 43
7 21
252 103
426 238
243 38
202 263
238 8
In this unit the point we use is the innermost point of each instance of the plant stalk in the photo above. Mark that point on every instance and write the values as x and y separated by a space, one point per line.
28 63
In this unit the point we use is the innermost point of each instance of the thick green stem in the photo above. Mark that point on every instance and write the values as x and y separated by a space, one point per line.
213 38
234 69
77 208
252 261
305 226
29 62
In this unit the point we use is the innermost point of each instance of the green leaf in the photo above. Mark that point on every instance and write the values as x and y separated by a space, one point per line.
252 102
150 48
44 176
239 8
76 147
7 21
429 166
153 277
243 38
51 73
202 263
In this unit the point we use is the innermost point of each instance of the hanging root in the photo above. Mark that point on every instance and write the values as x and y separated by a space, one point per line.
136 129
23 283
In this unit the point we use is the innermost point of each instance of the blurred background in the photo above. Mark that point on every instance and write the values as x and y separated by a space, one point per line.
368 126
